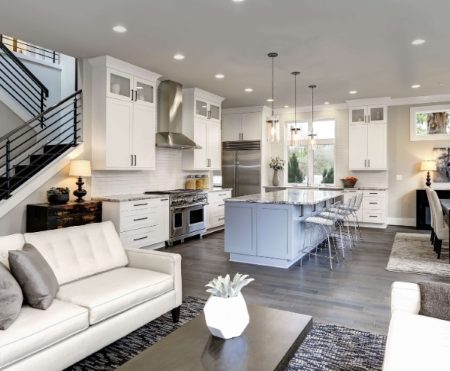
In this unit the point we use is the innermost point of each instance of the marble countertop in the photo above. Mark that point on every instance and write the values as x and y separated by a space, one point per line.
125 198
332 187
290 197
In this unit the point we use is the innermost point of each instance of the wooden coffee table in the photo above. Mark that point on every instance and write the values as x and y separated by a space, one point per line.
268 343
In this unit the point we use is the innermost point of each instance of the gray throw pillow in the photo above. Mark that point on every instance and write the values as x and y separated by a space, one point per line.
435 300
11 298
34 275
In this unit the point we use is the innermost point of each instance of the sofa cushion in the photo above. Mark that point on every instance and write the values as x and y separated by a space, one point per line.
109 293
435 300
78 252
11 298
417 343
36 329
34 275
11 242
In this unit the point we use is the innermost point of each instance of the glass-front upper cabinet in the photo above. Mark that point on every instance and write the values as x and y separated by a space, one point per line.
214 112
144 92
201 108
377 114
119 85
358 115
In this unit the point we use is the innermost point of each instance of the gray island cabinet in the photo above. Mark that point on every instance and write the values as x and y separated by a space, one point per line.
267 229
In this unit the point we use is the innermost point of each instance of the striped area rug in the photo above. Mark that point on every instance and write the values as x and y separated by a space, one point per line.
327 347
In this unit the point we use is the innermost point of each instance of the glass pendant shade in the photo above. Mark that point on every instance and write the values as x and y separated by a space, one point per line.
273 122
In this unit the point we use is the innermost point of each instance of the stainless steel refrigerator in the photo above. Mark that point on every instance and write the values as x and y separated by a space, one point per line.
241 167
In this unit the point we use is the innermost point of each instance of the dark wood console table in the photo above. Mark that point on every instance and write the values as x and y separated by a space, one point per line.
423 217
42 217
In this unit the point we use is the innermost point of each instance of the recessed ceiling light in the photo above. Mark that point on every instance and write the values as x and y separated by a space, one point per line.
327 102
286 106
178 57
415 86
270 100
220 76
418 42
248 90
353 92
238 1
119 28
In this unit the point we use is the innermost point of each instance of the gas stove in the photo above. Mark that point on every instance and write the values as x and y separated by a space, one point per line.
187 213
184 197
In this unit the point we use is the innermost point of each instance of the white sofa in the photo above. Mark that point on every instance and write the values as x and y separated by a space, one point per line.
105 293
415 342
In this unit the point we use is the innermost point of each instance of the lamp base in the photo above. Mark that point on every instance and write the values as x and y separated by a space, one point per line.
428 182
79 192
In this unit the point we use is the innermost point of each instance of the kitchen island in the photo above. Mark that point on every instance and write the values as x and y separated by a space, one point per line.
267 229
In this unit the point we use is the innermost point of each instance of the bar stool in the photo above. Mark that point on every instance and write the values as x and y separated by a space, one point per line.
322 230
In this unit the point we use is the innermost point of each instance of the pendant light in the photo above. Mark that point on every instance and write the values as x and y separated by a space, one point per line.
273 123
312 136
294 130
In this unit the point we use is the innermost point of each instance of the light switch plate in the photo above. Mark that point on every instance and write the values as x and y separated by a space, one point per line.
399 177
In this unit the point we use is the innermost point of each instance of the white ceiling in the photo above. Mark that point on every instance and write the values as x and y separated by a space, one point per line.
339 45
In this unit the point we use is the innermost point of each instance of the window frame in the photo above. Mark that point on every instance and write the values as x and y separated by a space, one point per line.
310 159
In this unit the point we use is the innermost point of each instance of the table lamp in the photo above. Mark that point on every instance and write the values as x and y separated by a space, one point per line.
80 169
428 165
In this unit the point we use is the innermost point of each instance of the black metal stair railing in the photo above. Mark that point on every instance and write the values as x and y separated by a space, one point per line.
29 148
20 83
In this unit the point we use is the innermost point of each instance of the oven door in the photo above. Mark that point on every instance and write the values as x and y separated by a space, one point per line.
195 218
178 222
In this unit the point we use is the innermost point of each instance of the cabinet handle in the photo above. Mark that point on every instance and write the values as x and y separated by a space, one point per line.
208 162
140 238
223 194
138 219
373 193
241 136
145 204
131 156
221 205
373 203
164 199
132 94
135 160
221 219
373 216
135 95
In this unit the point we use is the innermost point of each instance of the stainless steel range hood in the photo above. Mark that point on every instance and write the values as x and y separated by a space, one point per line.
170 106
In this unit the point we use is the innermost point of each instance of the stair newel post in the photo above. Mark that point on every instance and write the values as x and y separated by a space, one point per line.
75 115
8 167
41 119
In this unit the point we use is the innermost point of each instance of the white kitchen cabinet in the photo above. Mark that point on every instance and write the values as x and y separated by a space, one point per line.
242 126
376 114
142 223
123 115
373 207
201 122
368 138
215 210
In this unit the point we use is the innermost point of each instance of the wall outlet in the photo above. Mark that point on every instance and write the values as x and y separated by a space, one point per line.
399 177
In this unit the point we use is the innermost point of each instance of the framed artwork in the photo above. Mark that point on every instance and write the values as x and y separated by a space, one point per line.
430 123
442 174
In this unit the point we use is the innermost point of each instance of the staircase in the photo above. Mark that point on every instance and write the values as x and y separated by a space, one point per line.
47 136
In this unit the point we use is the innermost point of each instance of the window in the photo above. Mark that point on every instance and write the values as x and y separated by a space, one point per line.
306 162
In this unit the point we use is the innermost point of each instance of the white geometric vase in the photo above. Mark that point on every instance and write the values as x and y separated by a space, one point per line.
226 318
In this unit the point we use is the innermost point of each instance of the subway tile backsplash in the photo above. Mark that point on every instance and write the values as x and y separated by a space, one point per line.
168 175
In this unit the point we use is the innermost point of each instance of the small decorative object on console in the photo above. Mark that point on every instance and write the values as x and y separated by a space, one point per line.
276 164
58 195
80 168
349 181
226 312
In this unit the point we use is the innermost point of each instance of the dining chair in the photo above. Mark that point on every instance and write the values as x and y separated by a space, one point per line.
440 227
432 236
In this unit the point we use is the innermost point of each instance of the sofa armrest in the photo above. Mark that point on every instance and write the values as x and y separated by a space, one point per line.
405 297
159 262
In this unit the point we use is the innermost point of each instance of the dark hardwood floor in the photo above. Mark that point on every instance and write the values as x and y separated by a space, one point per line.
355 294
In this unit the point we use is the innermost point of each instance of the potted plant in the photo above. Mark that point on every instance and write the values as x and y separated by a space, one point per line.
225 311
276 164
349 181
58 195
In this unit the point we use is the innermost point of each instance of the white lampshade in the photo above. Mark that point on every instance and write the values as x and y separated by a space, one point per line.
80 168
428 165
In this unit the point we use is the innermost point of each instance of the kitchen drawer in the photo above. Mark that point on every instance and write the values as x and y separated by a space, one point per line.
141 237
369 193
373 203
218 196
373 217
131 220
142 204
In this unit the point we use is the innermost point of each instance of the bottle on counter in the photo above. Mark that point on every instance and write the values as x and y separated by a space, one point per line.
198 182
205 182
